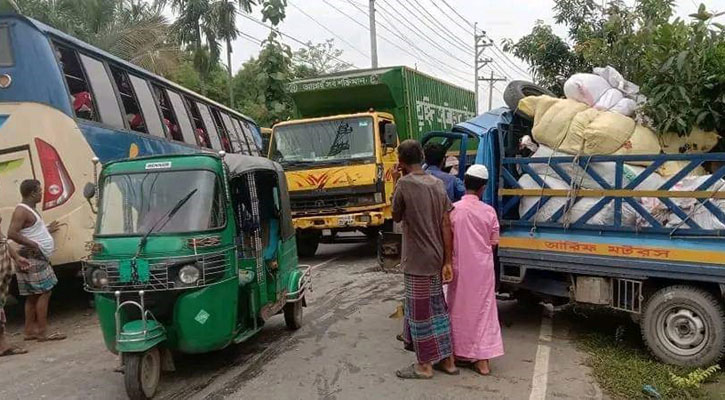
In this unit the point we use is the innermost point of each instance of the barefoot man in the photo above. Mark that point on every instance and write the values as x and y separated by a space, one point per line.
36 283
421 203
471 295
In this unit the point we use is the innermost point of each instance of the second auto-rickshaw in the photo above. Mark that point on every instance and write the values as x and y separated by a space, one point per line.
191 253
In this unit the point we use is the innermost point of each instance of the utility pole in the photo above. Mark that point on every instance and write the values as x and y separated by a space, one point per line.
491 81
373 36
481 42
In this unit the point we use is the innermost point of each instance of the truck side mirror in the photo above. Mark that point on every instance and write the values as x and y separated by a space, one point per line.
390 136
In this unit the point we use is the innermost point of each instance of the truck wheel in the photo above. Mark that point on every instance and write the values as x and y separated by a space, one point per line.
517 90
293 315
142 373
307 244
371 233
685 326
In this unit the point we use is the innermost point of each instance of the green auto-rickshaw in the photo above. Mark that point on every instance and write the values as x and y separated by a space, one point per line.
191 253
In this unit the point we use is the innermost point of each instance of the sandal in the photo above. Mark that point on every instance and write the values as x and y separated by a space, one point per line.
472 366
11 351
29 338
409 372
439 367
53 337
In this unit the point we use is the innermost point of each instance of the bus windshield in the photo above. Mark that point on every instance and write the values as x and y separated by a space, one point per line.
132 204
321 141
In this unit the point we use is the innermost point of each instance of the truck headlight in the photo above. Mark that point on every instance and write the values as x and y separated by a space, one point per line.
189 274
99 278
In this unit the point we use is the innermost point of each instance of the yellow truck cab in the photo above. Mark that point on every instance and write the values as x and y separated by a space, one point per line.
339 154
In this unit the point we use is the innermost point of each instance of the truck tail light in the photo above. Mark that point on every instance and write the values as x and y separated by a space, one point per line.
58 186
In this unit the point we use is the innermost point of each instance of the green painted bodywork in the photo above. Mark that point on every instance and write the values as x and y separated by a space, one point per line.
198 319
418 102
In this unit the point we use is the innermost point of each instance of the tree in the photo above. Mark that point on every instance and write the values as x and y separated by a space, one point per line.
133 30
678 64
318 59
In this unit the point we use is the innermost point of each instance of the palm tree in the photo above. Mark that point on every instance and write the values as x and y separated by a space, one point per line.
224 13
130 29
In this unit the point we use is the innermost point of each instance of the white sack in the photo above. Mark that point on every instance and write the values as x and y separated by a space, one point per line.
698 213
617 81
606 92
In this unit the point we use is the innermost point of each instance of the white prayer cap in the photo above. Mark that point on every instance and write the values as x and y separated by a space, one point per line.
478 171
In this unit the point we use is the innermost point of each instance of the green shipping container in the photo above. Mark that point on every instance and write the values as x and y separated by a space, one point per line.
419 103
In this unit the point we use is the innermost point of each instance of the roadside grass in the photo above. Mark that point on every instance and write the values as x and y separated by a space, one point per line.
621 363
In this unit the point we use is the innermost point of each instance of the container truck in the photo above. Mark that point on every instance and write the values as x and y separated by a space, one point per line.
667 272
339 153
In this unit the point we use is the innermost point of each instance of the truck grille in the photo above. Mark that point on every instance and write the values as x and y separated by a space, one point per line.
321 202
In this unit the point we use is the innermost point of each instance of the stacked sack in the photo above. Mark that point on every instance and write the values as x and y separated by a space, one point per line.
595 119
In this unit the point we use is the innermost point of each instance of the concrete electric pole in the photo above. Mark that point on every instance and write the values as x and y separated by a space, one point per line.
373 36
491 81
481 42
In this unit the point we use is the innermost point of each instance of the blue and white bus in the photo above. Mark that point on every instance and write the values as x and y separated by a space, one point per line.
63 102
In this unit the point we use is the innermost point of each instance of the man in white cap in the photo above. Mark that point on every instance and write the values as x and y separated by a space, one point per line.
471 295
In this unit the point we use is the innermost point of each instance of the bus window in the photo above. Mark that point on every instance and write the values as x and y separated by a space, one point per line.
238 144
182 116
242 139
249 136
103 93
212 133
6 49
148 106
134 117
83 104
223 135
169 119
202 137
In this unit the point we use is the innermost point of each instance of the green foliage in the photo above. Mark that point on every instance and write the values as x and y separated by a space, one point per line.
679 65
694 379
317 59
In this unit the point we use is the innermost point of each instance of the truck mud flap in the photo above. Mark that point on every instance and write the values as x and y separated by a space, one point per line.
389 249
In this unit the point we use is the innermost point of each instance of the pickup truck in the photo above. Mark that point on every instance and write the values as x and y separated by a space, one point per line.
669 275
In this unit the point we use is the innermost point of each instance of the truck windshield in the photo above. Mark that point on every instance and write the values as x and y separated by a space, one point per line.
132 203
333 140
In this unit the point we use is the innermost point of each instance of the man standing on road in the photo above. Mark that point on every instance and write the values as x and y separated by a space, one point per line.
30 232
435 158
7 257
420 202
471 295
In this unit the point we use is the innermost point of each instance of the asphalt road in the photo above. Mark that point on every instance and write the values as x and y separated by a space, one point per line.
346 349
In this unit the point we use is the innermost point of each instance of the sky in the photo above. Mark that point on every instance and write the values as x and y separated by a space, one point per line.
405 34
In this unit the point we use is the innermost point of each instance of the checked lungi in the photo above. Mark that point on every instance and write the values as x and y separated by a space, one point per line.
427 326
39 278
6 277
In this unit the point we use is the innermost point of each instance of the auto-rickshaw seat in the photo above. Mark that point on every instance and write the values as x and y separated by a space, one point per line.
270 251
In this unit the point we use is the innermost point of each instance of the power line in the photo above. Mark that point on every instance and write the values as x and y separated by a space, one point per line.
458 14
402 48
425 37
436 22
251 38
289 36
453 20
436 31
506 57
330 31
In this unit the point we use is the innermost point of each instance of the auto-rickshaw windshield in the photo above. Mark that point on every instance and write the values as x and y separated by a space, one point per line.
132 203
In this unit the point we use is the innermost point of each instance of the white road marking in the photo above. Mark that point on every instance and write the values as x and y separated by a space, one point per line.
540 379
314 267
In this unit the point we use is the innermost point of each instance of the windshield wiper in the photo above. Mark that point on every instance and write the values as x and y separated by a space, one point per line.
167 217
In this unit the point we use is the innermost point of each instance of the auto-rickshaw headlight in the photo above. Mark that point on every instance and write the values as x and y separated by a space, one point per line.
189 274
99 278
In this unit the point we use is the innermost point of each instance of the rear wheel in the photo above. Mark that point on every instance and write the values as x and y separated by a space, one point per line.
142 373
685 326
307 244
517 90
293 315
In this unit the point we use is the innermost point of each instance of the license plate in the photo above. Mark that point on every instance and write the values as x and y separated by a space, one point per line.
345 220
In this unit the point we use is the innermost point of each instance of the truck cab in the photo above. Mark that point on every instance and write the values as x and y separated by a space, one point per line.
339 171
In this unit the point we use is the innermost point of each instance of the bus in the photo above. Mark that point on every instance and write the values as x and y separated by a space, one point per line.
64 102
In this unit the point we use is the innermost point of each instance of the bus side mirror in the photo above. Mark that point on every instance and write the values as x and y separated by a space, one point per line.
89 192
390 136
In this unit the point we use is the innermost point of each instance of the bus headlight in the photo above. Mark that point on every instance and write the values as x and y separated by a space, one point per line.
189 274
99 278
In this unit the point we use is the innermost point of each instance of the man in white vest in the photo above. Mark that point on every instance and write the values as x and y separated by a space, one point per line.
36 244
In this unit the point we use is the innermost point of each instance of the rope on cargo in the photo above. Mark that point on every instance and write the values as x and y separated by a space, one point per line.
697 207
575 186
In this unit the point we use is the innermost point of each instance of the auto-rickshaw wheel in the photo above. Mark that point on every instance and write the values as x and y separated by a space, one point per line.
293 315
142 373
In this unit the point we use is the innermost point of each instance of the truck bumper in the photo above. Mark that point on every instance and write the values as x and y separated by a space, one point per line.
363 219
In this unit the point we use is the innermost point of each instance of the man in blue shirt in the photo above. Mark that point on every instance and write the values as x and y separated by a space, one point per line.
435 156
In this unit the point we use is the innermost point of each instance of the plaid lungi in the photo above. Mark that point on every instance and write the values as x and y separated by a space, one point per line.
427 326
39 278
6 276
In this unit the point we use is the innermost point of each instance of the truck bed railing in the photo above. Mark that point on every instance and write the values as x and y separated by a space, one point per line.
620 194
